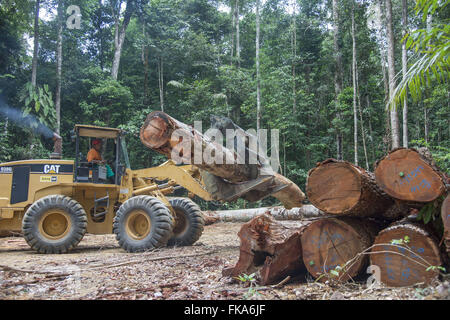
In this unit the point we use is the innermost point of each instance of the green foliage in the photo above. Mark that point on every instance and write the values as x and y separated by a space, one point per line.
403 241
39 102
250 280
435 268
432 47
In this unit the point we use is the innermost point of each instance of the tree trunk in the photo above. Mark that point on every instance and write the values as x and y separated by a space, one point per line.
404 71
399 267
161 82
355 116
410 175
233 27
278 213
425 121
119 36
258 78
387 140
445 214
330 242
363 134
100 35
294 57
337 76
36 44
391 74
269 249
343 189
222 168
59 66
145 62
238 48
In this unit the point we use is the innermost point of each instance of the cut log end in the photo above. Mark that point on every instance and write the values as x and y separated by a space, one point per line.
406 175
341 188
405 265
270 249
329 243
154 133
334 187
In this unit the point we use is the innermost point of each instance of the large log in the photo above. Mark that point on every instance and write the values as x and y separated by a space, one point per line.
227 175
344 189
278 213
268 248
331 242
410 175
405 264
160 130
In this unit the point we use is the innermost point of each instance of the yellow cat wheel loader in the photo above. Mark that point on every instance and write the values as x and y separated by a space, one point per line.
55 202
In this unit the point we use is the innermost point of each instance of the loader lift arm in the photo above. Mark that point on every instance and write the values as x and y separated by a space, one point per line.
186 176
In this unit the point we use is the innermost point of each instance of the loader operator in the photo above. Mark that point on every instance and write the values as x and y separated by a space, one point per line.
94 155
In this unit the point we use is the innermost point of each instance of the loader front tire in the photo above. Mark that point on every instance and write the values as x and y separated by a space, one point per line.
54 224
189 222
142 223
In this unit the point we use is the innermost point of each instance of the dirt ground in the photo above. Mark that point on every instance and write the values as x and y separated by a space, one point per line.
99 269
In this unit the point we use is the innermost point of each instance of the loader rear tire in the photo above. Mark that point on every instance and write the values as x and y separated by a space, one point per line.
189 222
142 223
54 224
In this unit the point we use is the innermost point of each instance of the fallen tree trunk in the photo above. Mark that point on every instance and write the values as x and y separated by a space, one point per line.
343 189
269 249
229 175
404 252
170 137
411 176
331 246
278 213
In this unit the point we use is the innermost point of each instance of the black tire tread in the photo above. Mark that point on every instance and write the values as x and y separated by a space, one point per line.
160 218
31 220
195 220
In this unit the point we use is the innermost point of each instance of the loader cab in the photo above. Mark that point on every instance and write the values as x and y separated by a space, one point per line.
115 154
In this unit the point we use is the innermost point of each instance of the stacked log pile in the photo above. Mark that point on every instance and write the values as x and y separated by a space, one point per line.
365 219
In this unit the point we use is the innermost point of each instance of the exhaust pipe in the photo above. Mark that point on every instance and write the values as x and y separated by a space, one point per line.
57 147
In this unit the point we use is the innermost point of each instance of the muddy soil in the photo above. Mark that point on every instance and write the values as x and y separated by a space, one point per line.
99 269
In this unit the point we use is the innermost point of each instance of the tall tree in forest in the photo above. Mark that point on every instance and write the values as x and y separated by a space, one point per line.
294 54
238 48
391 74
161 82
233 27
119 32
258 76
60 18
337 75
404 71
355 116
36 44
145 62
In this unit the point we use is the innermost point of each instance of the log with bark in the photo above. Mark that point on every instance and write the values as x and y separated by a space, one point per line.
344 189
268 248
227 175
404 252
331 247
278 213
411 176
